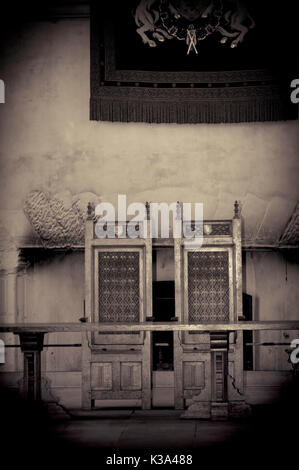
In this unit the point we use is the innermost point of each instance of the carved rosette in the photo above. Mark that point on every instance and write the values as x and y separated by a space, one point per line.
57 221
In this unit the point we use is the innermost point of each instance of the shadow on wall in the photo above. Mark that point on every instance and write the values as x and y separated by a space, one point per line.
42 256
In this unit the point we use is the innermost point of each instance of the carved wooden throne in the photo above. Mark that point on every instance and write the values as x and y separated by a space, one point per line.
208 361
116 365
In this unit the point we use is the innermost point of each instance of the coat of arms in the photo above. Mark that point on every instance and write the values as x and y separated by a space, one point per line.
192 21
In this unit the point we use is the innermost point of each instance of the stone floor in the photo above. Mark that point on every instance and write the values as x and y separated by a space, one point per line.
124 429
104 434
29 432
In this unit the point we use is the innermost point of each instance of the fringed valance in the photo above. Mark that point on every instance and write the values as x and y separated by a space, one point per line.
213 83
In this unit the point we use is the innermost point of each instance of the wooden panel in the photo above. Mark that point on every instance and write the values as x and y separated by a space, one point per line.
194 375
178 370
118 395
130 376
101 376
86 371
163 379
146 371
147 326
116 355
163 397
264 387
2 296
163 389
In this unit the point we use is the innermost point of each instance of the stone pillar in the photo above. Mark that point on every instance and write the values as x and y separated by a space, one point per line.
219 398
235 374
9 265
86 399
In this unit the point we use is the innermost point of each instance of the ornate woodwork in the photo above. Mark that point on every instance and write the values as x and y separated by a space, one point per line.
116 364
118 286
208 287
208 365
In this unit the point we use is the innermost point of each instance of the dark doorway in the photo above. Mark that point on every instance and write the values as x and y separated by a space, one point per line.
163 311
247 335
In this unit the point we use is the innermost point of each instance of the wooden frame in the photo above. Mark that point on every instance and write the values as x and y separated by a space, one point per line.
195 346
119 338
105 369
119 356
231 280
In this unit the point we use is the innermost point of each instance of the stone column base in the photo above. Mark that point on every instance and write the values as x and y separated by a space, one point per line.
239 409
217 411
197 410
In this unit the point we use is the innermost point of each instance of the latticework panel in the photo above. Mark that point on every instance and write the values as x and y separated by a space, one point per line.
208 287
218 229
119 295
213 229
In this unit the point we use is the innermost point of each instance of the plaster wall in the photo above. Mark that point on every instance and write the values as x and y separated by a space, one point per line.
48 143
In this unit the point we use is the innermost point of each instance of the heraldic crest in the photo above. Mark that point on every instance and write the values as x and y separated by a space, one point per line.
192 21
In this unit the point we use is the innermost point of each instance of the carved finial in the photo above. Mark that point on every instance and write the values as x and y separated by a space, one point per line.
178 210
90 211
237 210
147 207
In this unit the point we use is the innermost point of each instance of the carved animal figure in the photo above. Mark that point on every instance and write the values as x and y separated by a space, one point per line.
239 20
146 18
208 10
191 10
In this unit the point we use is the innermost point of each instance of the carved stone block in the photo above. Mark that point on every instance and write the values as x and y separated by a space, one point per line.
239 409
198 410
219 411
